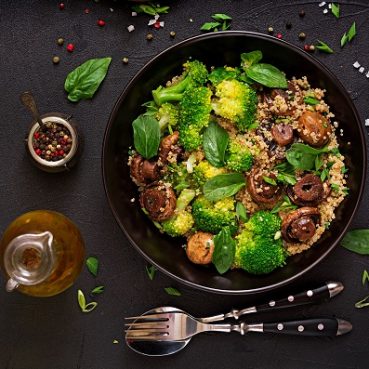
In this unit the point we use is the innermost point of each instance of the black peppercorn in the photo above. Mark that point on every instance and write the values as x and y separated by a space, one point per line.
302 13
288 25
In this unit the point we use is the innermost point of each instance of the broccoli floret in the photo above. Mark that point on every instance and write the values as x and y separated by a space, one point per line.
167 115
182 220
178 175
194 74
212 217
237 102
239 158
259 248
264 223
204 171
194 116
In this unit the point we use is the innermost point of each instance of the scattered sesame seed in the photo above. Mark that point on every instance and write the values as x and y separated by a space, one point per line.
356 65
361 69
131 28
322 4
336 124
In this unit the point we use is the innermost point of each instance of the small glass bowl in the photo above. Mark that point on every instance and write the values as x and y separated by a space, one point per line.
70 159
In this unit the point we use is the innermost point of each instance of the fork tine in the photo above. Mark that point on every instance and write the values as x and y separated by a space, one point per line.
162 317
144 325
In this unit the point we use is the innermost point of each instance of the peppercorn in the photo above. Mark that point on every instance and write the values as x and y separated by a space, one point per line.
125 60
312 48
61 6
172 34
270 30
56 59
279 35
302 36
70 48
302 13
149 36
288 25
60 41
101 23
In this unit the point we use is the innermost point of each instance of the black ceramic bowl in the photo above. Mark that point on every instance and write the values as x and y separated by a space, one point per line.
219 49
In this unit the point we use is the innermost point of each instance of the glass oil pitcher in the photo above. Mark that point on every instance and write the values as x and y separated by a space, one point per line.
42 253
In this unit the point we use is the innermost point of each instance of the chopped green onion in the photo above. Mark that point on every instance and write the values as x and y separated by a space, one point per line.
335 10
322 46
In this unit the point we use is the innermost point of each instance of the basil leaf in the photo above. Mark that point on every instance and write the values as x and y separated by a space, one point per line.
172 291
208 26
224 250
357 241
269 180
151 271
97 290
251 58
221 17
223 185
311 100
318 162
286 178
303 156
146 135
365 277
335 10
324 174
82 82
215 144
92 264
285 205
241 212
322 46
267 75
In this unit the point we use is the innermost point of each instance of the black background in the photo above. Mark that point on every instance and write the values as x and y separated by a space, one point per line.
52 333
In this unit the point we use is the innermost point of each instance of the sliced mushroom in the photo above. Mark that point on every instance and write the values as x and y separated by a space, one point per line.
263 193
169 145
300 225
282 134
159 201
200 248
143 171
308 191
314 128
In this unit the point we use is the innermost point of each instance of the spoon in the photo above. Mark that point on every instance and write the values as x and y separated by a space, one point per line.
29 102
155 348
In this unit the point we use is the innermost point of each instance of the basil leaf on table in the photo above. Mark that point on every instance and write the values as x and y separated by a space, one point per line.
267 75
224 250
215 142
357 241
92 264
223 185
251 58
82 82
146 135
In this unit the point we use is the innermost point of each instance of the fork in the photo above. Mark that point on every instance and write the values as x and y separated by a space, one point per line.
174 326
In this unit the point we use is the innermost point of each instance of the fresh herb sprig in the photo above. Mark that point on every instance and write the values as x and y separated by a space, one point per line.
349 35
222 22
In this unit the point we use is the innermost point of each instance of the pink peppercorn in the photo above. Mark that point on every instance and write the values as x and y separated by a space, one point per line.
101 23
157 25
70 48
36 135
279 35
38 152
87 11
61 6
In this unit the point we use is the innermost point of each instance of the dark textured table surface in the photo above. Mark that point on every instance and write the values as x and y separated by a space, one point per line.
52 333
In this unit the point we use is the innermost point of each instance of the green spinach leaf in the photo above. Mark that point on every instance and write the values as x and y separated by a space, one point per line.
223 185
224 250
357 241
215 142
82 82
267 75
251 58
146 135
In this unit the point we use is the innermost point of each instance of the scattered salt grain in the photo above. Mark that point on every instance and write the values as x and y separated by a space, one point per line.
330 6
335 124
134 14
356 65
131 28
191 20
111 9
361 70
322 4
133 199
367 122
325 11
367 75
